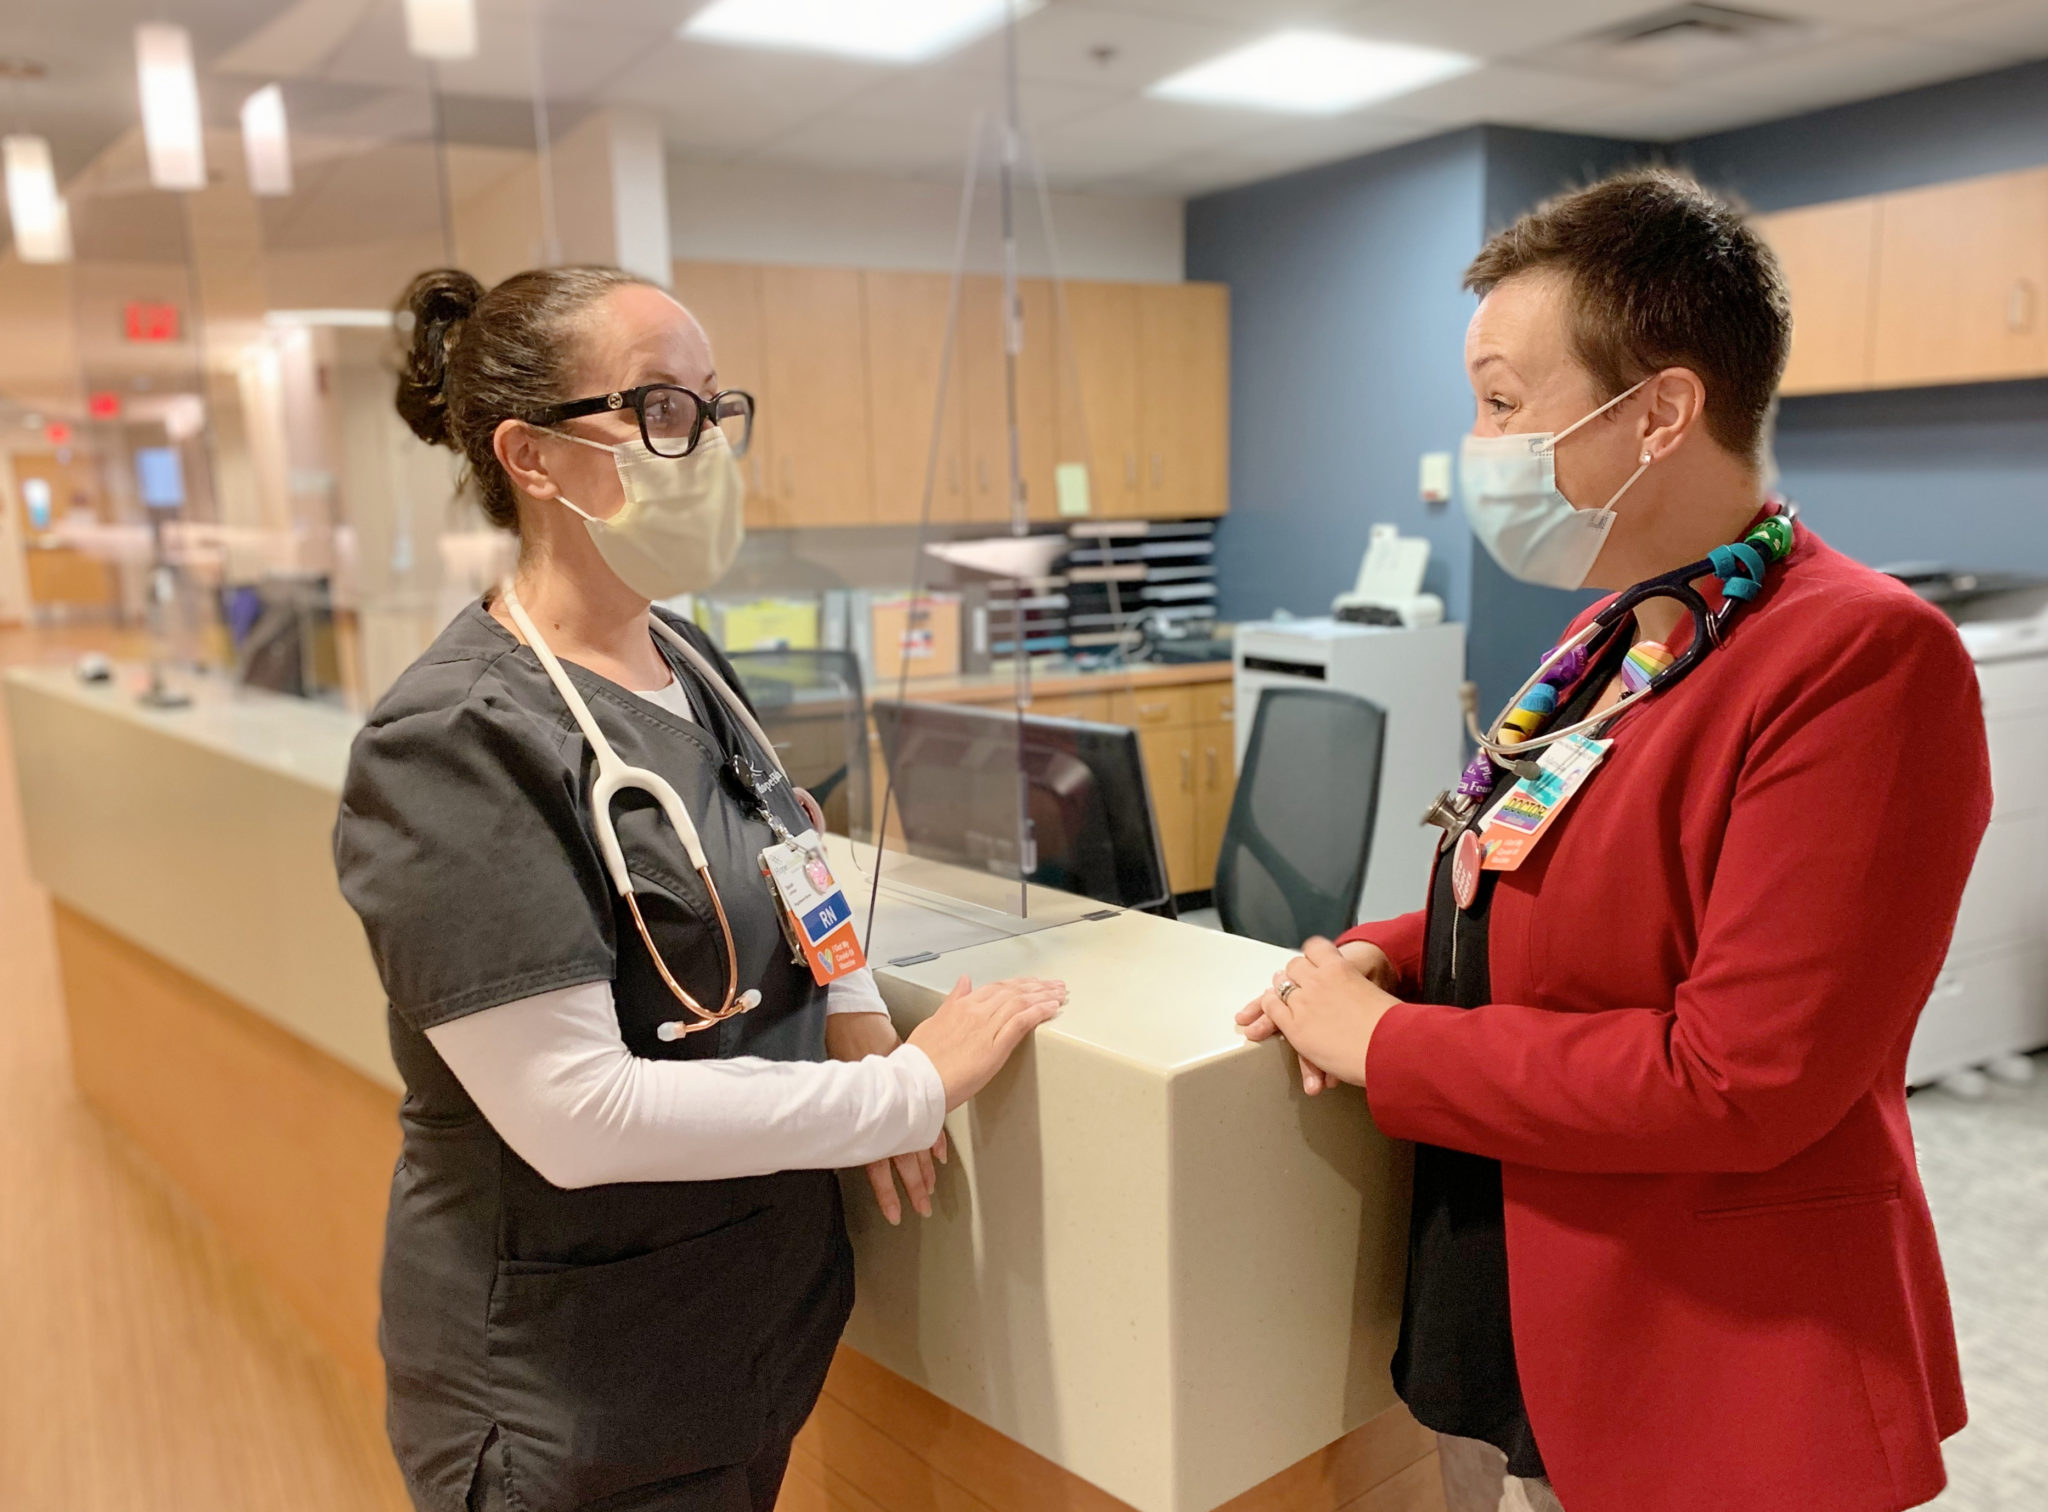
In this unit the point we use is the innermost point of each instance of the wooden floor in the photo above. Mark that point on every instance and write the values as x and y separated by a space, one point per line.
142 1367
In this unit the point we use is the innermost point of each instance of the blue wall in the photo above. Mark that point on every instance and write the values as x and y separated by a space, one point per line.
1348 328
1347 363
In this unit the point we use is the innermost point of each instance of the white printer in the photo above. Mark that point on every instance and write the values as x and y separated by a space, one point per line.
1412 670
1990 1003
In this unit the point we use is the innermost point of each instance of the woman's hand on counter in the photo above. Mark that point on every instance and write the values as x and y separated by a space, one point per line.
856 1036
1338 999
976 1028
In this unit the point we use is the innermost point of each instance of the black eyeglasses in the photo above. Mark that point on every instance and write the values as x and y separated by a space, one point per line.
672 418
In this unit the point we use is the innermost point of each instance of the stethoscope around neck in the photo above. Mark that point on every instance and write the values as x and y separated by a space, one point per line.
1739 567
614 776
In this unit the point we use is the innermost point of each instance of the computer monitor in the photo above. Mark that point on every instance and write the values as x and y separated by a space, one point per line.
954 771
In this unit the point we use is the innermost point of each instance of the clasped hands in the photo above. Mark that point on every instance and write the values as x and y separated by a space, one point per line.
1339 995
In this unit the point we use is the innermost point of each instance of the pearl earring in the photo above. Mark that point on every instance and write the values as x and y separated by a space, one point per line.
1646 458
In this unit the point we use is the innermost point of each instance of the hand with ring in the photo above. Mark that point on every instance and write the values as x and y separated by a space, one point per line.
1326 1003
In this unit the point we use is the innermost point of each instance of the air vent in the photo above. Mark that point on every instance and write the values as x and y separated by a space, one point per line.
1681 42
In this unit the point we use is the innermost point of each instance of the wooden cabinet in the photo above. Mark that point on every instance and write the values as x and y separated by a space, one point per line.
1962 272
1184 400
1944 284
982 360
726 299
1130 379
815 404
1829 256
906 325
1186 734
1098 367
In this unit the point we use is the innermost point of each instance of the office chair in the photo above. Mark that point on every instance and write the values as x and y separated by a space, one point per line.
1300 827
811 705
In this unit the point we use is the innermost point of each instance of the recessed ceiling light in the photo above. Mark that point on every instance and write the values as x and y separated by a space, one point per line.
443 30
170 107
1312 73
40 219
882 31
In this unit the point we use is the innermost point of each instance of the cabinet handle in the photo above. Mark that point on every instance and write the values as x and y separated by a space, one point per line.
1187 770
788 483
1214 776
2019 307
1156 469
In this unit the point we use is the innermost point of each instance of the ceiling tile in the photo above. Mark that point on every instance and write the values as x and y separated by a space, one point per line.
1111 48
1132 136
569 57
1504 93
1490 28
948 98
1270 15
2019 27
722 99
904 149
1866 13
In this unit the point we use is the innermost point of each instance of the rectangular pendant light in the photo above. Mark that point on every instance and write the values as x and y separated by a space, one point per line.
444 30
265 142
38 214
170 107
880 31
1312 73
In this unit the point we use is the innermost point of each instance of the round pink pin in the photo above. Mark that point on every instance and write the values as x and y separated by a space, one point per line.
1465 868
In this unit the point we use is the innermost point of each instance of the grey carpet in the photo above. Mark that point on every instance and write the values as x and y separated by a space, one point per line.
1986 1168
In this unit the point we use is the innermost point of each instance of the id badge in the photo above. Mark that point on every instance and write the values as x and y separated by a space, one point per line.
815 912
1532 805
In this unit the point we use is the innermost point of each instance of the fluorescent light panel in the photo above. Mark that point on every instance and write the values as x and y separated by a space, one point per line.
880 31
266 143
38 214
1313 73
444 30
170 107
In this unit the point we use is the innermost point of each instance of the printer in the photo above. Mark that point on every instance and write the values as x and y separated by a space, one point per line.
1387 643
1989 1006
1389 586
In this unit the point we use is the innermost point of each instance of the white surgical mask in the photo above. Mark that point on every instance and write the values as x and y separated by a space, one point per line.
683 519
1509 488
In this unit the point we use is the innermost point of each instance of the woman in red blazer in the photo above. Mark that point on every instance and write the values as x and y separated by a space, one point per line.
1671 1252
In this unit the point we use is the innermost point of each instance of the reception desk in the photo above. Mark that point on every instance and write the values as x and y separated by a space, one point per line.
1158 1275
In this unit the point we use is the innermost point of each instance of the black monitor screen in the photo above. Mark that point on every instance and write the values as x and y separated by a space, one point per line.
1082 823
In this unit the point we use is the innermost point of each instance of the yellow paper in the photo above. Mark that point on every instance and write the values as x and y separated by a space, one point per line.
1070 482
772 624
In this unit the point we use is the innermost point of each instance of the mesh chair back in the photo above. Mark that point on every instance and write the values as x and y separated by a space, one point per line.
1300 828
812 706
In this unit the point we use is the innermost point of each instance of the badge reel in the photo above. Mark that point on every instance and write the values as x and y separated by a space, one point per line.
816 918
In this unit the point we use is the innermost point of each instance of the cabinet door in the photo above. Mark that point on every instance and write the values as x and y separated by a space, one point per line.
906 325
817 369
983 357
1098 397
1962 271
1184 399
1170 773
726 299
1829 254
1215 785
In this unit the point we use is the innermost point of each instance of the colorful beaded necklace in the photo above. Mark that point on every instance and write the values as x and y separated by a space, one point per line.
1648 668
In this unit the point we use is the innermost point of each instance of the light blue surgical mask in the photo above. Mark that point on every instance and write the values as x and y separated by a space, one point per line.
1509 488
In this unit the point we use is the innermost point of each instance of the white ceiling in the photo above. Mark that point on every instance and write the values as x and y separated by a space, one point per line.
1084 66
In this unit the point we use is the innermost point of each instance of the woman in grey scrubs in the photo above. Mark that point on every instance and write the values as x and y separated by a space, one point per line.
616 1265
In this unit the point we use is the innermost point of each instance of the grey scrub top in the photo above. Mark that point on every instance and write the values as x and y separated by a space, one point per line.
615 1337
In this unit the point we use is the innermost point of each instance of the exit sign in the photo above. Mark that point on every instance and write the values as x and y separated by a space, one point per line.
150 322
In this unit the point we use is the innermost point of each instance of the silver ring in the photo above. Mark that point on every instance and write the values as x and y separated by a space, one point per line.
1285 988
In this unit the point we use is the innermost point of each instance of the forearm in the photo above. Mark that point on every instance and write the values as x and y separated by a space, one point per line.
557 1082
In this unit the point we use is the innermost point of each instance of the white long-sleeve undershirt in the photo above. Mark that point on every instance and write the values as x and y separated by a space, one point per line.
554 1077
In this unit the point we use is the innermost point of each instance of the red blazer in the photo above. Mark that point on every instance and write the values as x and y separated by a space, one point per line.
1723 1278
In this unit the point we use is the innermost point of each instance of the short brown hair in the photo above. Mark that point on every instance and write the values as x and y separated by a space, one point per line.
479 357
1663 273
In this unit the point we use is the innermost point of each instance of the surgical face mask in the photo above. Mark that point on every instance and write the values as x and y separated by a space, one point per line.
1509 488
683 519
